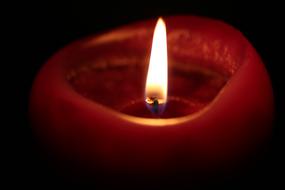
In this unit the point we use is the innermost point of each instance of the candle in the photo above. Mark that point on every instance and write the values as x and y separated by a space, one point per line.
103 103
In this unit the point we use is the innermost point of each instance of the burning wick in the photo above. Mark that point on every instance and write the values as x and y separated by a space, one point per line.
156 81
153 104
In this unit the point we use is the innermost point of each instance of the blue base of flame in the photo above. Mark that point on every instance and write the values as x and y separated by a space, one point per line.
156 109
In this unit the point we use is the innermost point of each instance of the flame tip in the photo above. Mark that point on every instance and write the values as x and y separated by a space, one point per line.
160 21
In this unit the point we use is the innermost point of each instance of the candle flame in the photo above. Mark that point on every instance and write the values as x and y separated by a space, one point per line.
156 82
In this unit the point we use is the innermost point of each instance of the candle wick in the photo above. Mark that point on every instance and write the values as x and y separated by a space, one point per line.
153 105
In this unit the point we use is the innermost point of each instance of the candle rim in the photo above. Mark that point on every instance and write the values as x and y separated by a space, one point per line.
140 120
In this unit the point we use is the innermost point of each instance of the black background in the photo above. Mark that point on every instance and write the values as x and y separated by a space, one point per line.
39 29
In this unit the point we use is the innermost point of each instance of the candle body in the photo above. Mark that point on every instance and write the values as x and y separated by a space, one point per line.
97 137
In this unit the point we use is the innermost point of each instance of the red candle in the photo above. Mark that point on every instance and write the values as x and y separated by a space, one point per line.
88 101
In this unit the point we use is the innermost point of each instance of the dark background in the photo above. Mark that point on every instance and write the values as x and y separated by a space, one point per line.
40 29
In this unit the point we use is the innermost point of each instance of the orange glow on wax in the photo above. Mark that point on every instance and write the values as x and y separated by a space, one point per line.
156 82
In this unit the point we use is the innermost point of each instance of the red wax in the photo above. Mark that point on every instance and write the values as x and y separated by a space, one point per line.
86 102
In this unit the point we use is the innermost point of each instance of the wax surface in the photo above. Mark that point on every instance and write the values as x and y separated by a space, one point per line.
122 88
